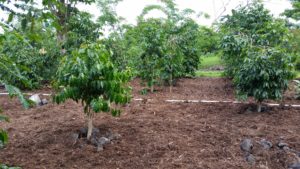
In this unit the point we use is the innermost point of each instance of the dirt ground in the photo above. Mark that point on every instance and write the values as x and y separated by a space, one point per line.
154 134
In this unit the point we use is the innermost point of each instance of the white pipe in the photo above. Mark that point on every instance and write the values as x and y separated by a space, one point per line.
44 94
187 101
234 102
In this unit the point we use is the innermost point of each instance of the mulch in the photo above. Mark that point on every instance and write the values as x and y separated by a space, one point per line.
154 133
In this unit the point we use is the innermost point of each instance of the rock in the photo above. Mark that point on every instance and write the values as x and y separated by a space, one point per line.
246 145
294 166
94 141
82 132
44 101
1 145
285 148
36 99
250 159
282 145
74 137
266 144
115 136
95 131
103 140
100 148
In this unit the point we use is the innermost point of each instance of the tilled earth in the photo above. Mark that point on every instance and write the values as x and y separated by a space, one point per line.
154 133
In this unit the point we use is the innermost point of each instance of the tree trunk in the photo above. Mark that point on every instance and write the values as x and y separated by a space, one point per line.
152 88
90 126
171 83
259 107
61 39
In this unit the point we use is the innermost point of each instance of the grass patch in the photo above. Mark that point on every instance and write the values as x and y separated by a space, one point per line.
202 73
210 60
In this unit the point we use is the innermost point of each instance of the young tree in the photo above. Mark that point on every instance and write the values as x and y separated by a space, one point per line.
249 26
81 29
152 38
175 41
89 76
264 75
111 23
255 53
189 46
57 13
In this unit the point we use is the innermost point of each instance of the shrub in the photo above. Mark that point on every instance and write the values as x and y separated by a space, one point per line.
250 26
263 76
35 59
89 76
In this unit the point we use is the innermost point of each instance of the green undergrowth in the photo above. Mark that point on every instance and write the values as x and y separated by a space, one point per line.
210 60
203 73
3 166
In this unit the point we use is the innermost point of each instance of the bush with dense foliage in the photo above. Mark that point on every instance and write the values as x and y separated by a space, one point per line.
249 26
169 45
256 54
37 59
89 76
295 46
265 75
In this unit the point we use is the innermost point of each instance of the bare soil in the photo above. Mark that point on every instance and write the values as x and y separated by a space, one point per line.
154 133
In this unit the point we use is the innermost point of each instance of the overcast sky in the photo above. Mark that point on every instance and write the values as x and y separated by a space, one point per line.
130 9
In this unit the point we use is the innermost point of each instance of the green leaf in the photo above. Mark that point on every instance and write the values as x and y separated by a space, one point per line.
3 137
13 91
88 75
10 17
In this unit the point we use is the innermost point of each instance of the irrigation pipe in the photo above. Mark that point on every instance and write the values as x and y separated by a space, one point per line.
185 101
29 94
234 102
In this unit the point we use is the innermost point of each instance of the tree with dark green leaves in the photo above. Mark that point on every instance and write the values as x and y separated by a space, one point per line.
57 13
293 13
89 76
34 54
81 29
255 51
169 45
251 25
264 75
152 37
208 40
30 39
110 22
